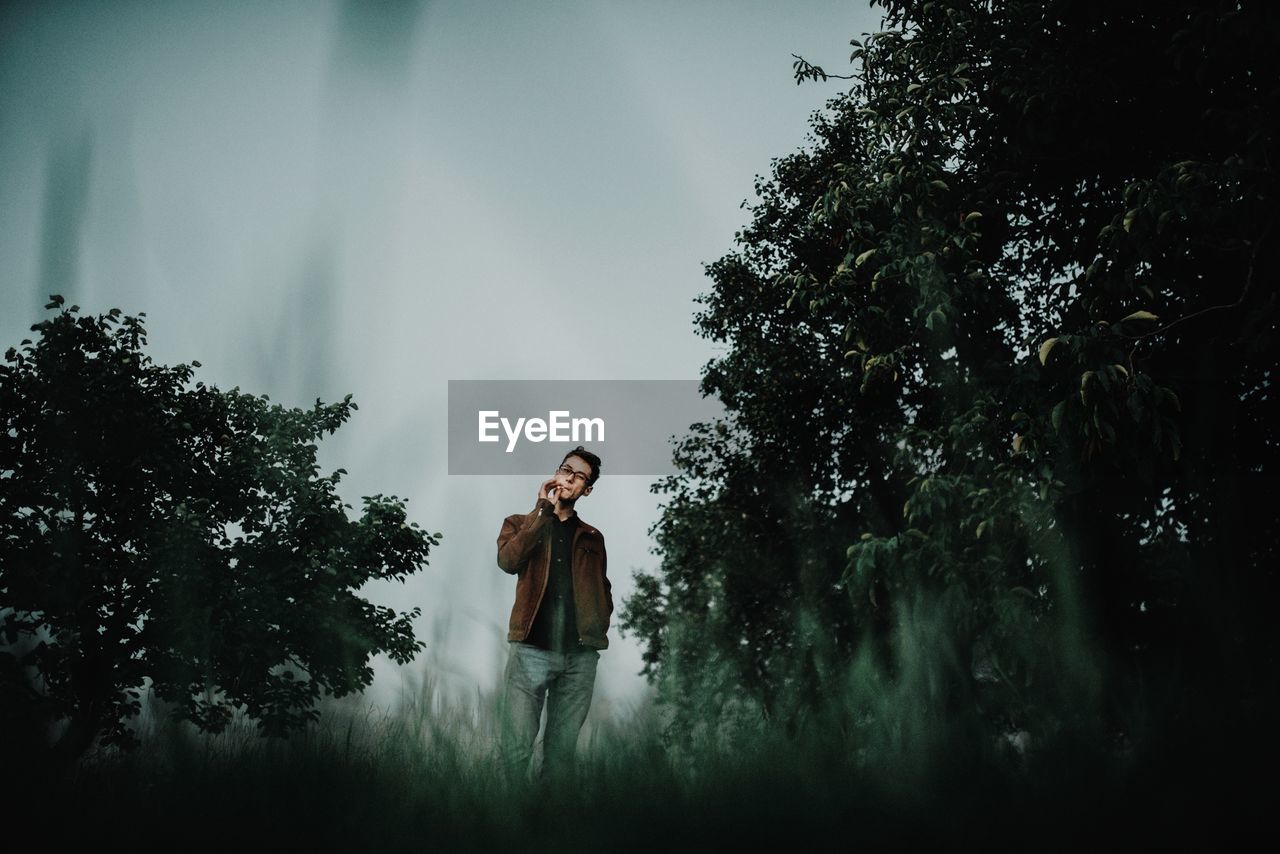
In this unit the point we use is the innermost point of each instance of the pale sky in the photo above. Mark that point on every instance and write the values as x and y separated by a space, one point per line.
317 198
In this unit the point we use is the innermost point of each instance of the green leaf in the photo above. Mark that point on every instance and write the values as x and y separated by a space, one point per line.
1136 408
1055 417
861 259
1139 315
1045 348
1104 427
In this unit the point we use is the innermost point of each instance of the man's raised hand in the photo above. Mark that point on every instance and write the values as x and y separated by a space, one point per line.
548 490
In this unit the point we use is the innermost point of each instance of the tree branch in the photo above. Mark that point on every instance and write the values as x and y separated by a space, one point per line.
1244 293
804 71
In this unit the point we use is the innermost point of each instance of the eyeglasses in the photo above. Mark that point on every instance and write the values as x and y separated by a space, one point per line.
571 473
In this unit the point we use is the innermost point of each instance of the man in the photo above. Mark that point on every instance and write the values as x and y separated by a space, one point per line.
560 618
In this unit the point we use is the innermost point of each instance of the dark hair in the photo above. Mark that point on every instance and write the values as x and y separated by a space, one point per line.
589 458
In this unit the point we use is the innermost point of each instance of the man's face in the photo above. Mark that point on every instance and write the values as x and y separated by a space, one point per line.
571 479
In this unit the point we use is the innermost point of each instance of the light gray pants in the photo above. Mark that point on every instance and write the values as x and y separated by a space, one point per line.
565 681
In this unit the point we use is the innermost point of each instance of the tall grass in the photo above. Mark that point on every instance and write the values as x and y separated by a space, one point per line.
426 775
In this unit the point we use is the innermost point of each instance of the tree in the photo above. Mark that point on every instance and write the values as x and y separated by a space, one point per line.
1001 347
180 536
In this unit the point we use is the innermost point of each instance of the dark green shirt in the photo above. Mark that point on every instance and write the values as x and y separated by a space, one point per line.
555 626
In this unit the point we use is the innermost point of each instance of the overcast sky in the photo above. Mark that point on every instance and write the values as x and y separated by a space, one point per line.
320 198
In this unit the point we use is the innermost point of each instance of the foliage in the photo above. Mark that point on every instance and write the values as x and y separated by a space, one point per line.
428 771
1000 357
180 537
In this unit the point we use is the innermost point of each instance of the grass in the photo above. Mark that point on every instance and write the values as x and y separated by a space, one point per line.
426 776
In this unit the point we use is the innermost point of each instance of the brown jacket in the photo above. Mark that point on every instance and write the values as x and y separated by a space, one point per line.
524 550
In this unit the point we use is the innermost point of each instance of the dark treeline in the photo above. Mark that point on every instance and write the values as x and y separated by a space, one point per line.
996 487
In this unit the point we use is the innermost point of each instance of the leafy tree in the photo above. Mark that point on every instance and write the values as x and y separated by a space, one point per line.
1001 351
160 533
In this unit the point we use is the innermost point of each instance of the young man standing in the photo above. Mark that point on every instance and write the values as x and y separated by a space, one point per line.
560 617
